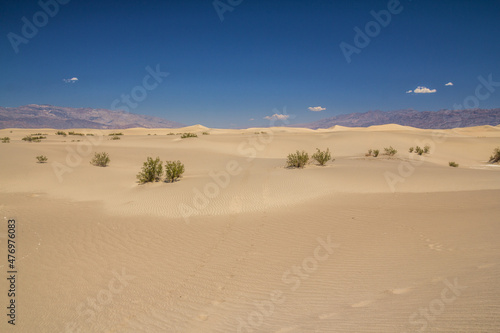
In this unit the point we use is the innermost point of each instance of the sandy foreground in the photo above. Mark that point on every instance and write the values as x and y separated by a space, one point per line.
242 244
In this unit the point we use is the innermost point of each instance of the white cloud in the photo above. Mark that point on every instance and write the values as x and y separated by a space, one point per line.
409 91
316 108
424 90
251 119
277 117
449 84
72 80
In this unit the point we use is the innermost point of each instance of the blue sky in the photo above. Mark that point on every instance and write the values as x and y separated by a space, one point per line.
263 58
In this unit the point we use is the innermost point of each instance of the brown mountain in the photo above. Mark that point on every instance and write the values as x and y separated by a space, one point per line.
421 119
49 116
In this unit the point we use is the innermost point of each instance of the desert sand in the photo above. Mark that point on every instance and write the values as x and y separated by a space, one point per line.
243 244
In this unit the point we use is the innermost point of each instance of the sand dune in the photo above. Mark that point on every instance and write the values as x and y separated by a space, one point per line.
242 244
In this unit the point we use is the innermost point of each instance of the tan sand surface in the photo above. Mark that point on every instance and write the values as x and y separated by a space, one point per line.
242 244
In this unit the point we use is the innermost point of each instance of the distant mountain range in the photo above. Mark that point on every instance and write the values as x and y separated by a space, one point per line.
421 119
48 116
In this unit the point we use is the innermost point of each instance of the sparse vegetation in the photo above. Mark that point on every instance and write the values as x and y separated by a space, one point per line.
173 170
375 152
297 160
31 138
171 133
369 153
372 152
189 135
100 159
495 158
426 149
89 134
5 139
75 133
61 133
41 158
453 164
410 150
115 137
419 150
390 151
205 133
152 171
112 134
322 156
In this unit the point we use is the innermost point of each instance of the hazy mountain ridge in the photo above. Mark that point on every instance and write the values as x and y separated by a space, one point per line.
49 116
441 119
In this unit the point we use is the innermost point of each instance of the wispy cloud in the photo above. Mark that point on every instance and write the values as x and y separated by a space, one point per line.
449 84
251 119
277 117
422 90
72 80
316 108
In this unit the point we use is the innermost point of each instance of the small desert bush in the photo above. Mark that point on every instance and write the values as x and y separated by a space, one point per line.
426 149
152 170
61 133
410 150
115 137
369 153
376 152
495 158
372 152
322 156
453 164
189 135
390 151
41 158
112 134
30 138
75 133
171 133
173 170
100 159
297 160
419 150
5 139
89 134
205 133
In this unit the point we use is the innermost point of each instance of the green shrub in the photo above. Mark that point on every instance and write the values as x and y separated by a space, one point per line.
189 135
75 133
390 151
5 139
115 137
100 159
495 158
297 160
410 150
152 170
205 133
173 170
322 156
369 153
170 133
419 150
375 152
41 158
61 133
112 134
426 149
453 164
89 134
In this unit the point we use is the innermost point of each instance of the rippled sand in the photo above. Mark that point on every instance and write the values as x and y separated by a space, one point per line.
242 244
